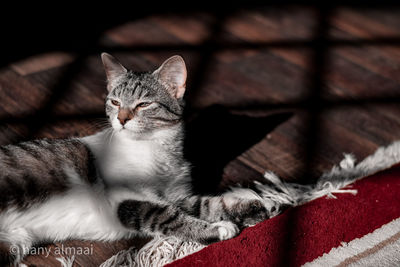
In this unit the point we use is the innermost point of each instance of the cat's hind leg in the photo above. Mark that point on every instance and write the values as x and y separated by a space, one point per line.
155 218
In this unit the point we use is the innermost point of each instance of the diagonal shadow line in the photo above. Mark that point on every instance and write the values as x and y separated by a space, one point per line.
262 106
319 65
40 118
36 121
305 104
128 15
287 43
316 103
302 104
204 65
24 119
221 46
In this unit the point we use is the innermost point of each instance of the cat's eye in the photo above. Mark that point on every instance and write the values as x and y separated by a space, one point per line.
115 103
143 104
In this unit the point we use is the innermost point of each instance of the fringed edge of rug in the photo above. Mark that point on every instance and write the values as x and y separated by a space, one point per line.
66 261
158 252
274 194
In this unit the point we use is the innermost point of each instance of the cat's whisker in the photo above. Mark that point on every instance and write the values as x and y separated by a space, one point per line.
111 135
99 125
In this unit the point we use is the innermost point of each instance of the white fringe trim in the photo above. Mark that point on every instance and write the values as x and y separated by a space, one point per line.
66 261
274 194
158 252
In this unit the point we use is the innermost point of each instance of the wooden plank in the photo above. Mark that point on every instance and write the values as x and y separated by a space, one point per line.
42 62
384 64
140 32
350 80
189 28
19 96
360 25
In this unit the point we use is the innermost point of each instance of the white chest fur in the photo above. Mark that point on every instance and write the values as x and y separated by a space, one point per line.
124 159
129 159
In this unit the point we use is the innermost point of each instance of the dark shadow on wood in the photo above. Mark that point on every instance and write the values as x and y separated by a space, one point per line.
36 30
215 137
320 62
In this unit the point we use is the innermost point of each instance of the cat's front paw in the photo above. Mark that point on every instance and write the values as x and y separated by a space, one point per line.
226 229
253 212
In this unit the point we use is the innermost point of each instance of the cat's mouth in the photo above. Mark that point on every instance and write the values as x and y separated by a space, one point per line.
124 129
135 130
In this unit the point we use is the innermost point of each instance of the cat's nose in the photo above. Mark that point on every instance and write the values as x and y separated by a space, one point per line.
124 115
123 120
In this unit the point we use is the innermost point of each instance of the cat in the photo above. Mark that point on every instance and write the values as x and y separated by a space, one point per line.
129 179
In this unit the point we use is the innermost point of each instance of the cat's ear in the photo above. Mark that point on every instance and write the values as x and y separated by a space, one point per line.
113 68
172 74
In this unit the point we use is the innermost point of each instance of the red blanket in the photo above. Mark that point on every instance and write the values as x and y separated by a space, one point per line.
302 234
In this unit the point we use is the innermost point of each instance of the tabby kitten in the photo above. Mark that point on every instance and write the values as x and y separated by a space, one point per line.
127 180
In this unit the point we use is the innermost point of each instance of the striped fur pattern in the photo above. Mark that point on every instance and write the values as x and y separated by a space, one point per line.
152 218
129 179
225 208
22 164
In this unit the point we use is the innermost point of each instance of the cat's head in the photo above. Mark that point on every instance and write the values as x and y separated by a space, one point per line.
143 103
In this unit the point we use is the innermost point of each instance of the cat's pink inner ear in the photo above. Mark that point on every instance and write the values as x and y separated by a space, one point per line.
113 68
172 74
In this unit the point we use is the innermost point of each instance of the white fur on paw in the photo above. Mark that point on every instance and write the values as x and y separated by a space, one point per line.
226 229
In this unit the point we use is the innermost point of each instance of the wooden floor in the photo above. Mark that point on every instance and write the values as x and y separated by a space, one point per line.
287 89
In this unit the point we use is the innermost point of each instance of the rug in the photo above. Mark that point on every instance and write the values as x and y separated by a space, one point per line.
361 230
329 223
